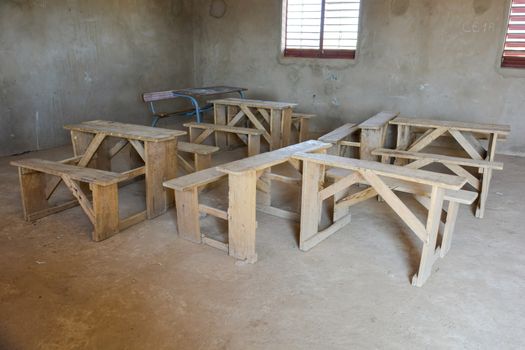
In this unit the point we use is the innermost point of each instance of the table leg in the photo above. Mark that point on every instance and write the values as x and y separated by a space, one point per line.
242 222
219 116
286 131
486 176
161 165
275 128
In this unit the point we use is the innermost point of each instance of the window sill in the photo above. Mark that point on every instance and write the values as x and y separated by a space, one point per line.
317 61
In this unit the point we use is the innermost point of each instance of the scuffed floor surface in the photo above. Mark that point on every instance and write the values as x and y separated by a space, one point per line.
147 289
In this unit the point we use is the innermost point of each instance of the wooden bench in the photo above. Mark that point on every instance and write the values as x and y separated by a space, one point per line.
253 135
201 156
187 203
435 185
421 193
246 177
103 212
301 122
366 136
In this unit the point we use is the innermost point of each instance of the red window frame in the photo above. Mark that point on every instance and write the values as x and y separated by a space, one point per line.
315 53
514 47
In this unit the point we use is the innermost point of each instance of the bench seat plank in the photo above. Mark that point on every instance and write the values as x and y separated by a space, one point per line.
81 174
438 158
224 128
339 133
459 196
463 126
196 148
413 175
269 159
127 131
199 178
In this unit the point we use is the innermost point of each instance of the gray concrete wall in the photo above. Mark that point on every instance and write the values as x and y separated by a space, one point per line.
63 61
424 58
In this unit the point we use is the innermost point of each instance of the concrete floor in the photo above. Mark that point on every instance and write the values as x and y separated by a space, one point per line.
147 289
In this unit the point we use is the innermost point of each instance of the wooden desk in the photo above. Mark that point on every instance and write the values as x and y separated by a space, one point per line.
191 94
273 118
244 182
467 136
156 147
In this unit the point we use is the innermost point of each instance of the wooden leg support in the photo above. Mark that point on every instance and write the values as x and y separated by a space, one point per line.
254 145
105 211
202 161
428 254
33 191
452 214
242 222
188 225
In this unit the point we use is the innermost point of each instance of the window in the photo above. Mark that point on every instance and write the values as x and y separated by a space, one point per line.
321 28
514 50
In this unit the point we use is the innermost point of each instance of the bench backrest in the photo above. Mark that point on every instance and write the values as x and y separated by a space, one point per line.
393 171
88 175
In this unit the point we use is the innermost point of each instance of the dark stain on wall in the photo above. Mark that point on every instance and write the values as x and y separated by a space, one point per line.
481 6
399 7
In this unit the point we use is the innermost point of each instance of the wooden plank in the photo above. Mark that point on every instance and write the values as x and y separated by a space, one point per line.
269 159
32 190
224 128
275 129
370 140
467 146
304 129
185 164
452 214
219 116
51 210
428 254
471 179
253 103
215 244
203 136
196 148
187 205
80 196
324 234
286 127
461 126
76 173
439 158
396 204
310 204
475 143
242 222
132 220
378 121
197 179
340 185
426 139
139 148
105 211
254 145
133 173
161 164
126 131
350 144
202 161
253 119
117 147
284 179
339 134
388 170
221 214
280 213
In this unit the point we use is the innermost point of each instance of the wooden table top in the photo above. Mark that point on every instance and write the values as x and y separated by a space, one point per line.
127 131
193 92
253 103
464 126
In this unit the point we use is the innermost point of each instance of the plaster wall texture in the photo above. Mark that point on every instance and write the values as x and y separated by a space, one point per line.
424 58
63 61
